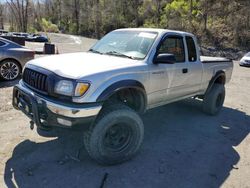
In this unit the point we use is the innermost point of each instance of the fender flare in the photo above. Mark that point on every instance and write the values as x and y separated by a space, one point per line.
217 75
123 84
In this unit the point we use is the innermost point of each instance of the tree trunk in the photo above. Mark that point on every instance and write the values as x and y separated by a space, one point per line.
98 19
76 15
205 22
19 8
190 12
1 16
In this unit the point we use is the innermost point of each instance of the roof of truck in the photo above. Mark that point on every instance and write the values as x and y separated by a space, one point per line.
158 30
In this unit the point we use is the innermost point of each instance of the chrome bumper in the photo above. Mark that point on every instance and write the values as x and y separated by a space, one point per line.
71 111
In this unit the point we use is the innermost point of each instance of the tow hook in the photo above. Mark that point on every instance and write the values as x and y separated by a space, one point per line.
32 125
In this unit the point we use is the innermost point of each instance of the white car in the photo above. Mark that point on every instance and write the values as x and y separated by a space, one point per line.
245 60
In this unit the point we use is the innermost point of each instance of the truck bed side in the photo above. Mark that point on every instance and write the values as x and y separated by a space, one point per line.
212 65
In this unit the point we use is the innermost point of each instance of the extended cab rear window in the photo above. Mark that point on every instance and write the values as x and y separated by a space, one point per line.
192 55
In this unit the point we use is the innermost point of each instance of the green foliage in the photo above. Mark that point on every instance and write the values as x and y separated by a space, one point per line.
11 29
32 30
216 22
180 6
72 28
47 26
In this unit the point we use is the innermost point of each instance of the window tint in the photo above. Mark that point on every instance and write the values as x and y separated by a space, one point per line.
2 43
173 45
192 56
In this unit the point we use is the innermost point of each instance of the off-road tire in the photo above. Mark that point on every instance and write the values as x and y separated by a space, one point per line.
214 99
115 116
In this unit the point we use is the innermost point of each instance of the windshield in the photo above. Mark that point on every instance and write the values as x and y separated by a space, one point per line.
130 44
248 54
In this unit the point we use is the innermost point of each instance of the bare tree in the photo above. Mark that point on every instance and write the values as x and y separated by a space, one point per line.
210 20
98 19
20 9
1 16
76 11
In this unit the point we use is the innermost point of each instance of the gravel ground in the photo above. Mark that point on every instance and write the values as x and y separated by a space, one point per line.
182 148
65 43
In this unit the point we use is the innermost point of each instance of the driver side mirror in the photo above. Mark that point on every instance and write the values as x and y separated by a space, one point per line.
165 59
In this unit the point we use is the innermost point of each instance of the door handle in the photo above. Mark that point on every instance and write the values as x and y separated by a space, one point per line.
184 70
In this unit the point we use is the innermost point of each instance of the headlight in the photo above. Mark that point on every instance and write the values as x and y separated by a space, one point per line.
81 88
69 88
64 87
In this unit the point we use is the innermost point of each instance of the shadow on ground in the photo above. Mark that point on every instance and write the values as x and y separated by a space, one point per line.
182 148
5 84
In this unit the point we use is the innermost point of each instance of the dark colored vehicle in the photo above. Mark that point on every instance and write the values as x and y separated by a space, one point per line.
3 32
17 34
12 59
37 38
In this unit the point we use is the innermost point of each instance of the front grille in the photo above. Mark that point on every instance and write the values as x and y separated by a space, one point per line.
35 79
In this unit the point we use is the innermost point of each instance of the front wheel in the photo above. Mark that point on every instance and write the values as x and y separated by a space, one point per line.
116 136
9 70
214 99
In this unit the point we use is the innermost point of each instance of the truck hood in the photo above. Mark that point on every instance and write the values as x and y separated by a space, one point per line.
78 65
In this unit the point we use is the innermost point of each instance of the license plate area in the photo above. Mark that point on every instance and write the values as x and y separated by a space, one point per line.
23 102
29 105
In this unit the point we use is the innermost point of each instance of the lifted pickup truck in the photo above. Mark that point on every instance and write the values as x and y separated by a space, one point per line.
124 74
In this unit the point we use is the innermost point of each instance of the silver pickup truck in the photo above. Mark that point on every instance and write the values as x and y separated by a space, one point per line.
107 88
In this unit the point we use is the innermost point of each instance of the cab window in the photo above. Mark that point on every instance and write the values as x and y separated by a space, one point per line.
192 55
173 45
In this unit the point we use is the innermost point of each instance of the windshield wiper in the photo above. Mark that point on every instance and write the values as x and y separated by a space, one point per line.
95 51
118 54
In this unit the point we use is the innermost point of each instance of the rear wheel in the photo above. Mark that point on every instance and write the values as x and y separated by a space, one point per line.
9 69
214 99
116 136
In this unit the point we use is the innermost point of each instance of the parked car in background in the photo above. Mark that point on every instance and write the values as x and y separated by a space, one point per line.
28 36
3 32
17 34
12 59
245 60
37 38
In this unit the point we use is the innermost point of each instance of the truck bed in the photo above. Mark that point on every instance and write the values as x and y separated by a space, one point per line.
208 59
